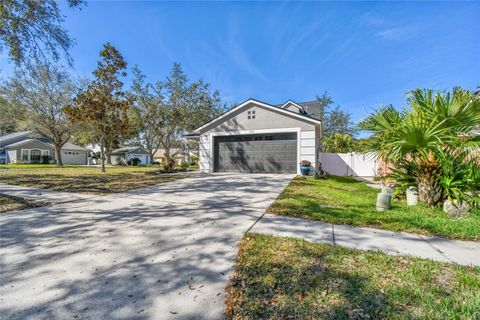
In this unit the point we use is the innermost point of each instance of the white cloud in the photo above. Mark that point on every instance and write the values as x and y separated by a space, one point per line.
397 33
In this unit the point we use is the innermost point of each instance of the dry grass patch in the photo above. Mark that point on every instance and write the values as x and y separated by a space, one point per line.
87 179
9 203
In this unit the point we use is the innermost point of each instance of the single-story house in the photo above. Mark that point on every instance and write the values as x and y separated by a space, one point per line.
124 154
179 155
258 137
29 147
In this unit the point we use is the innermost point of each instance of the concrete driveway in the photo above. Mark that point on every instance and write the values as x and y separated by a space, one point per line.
164 252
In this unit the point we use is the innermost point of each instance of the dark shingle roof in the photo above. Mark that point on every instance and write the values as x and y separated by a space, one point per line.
312 108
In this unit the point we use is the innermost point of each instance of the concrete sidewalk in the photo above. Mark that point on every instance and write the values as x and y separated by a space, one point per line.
394 243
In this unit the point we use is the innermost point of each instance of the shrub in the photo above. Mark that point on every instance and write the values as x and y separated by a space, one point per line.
184 166
169 166
46 159
134 161
194 160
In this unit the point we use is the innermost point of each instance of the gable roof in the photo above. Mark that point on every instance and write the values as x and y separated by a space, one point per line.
16 139
293 114
290 102
127 149
71 146
22 142
4 139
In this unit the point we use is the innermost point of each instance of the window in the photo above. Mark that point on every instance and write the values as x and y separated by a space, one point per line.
45 152
35 155
251 114
24 154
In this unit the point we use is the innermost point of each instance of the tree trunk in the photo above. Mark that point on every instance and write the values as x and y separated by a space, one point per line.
430 190
102 157
168 158
151 154
58 154
109 156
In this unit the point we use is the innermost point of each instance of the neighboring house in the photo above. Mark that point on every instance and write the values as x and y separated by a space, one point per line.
29 147
179 155
259 137
124 154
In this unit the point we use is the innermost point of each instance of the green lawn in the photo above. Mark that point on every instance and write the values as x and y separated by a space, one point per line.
282 278
9 203
86 179
344 200
34 166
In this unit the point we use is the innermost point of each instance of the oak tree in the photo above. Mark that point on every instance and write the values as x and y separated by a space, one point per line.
103 106
185 107
41 93
148 108
31 30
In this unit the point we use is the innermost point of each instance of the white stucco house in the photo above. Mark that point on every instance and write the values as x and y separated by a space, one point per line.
30 147
124 154
258 137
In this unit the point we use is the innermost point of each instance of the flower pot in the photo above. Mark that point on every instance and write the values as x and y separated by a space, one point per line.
305 171
383 201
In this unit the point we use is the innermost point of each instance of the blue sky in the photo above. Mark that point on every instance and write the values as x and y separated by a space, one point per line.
364 54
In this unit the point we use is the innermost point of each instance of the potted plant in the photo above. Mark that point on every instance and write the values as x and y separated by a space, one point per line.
305 167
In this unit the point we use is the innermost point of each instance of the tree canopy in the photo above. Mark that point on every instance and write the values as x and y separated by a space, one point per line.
32 31
41 93
334 119
185 106
102 108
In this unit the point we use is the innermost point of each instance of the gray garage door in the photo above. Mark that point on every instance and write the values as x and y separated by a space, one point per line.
267 153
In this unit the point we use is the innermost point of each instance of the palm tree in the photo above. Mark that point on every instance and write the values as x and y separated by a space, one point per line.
433 124
338 143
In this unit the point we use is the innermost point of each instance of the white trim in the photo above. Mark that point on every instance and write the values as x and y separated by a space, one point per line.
27 152
213 134
293 103
261 104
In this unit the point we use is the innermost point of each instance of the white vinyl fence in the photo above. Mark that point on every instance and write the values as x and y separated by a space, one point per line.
349 164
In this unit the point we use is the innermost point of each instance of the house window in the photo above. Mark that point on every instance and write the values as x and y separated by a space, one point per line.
24 155
35 155
45 152
251 114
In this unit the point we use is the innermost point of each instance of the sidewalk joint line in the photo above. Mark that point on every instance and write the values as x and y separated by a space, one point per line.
333 234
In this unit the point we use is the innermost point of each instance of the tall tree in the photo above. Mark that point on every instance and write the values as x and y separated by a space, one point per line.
186 106
103 106
31 30
43 92
334 120
148 104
